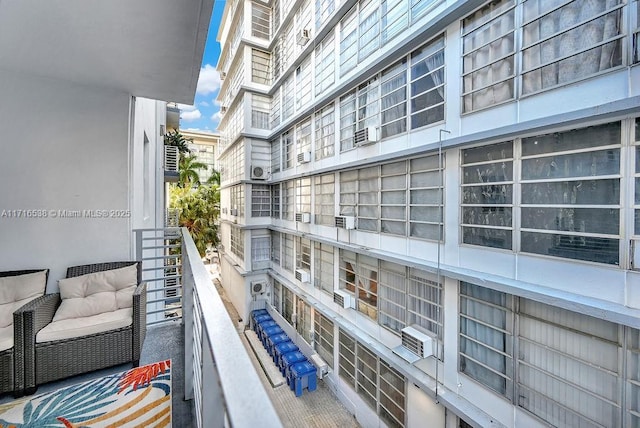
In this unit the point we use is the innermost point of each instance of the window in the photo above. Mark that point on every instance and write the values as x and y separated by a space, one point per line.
347 121
392 294
324 9
394 18
303 254
288 94
288 302
275 155
323 343
427 84
486 337
260 111
323 267
368 187
275 247
637 176
260 67
303 195
275 109
369 28
347 271
367 375
348 192
570 194
425 198
488 55
633 381
324 190
260 200
237 199
348 41
289 255
367 285
275 15
325 64
487 195
260 252
424 301
392 398
636 33
570 42
303 321
303 136
237 242
393 198
275 201
276 298
393 100
347 357
369 104
260 21
288 149
325 132
420 7
288 200
303 84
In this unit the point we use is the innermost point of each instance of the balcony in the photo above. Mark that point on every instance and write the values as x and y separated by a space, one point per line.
216 380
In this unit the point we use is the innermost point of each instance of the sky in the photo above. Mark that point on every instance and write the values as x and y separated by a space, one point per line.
204 114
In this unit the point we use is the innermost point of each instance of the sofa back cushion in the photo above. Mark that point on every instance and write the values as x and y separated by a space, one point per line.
16 291
96 293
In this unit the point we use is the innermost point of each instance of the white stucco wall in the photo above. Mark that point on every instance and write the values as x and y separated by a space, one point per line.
64 147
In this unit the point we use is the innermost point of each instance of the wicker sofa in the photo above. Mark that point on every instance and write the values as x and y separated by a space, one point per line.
12 355
49 360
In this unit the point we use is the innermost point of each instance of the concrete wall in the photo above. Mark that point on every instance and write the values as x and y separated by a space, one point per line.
64 147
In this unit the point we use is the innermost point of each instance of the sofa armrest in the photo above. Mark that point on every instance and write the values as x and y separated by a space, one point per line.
139 320
29 320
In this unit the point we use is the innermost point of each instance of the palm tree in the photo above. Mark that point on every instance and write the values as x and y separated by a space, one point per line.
189 167
214 178
175 138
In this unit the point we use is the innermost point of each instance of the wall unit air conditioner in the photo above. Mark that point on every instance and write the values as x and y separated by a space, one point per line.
258 287
304 157
303 217
303 37
223 109
417 342
223 75
302 275
366 136
323 367
258 173
345 222
233 212
344 299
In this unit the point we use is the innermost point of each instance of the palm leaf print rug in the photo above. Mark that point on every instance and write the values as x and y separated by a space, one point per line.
140 397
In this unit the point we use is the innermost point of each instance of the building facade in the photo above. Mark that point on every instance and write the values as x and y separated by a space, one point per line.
204 146
441 199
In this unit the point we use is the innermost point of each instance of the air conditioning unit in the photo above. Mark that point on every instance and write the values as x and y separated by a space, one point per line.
223 109
417 342
303 217
233 212
303 37
304 157
302 276
366 136
224 210
258 173
223 75
345 222
258 287
344 299
323 367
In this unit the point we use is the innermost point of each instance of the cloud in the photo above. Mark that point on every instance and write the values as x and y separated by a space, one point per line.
209 80
186 107
190 115
204 104
216 117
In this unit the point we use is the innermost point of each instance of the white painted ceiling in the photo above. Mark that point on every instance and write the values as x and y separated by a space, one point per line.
149 48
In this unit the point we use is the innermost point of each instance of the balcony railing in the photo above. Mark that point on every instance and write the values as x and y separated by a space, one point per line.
171 163
219 376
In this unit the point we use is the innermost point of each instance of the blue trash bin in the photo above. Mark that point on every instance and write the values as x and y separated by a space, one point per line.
261 326
288 360
282 349
273 340
270 331
303 376
257 312
259 319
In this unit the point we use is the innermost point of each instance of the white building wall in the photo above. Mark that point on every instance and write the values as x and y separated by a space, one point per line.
65 147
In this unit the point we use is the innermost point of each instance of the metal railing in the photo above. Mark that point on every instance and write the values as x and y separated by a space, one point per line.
160 251
219 376
171 158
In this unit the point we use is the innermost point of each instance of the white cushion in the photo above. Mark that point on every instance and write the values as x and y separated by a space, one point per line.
77 327
16 291
6 338
96 293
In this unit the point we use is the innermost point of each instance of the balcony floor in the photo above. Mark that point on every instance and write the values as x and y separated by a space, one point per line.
162 342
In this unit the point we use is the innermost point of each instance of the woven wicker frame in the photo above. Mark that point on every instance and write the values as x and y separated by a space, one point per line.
49 361
12 359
